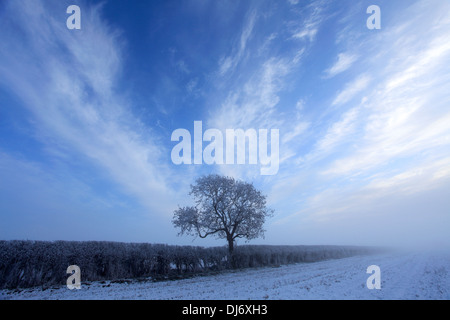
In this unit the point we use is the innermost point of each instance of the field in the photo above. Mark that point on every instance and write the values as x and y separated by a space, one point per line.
403 276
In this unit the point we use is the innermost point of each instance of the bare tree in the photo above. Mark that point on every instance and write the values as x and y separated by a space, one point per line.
224 207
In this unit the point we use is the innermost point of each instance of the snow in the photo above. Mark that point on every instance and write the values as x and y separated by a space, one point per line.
403 276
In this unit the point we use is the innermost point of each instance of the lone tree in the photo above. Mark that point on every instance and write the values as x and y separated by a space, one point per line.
224 207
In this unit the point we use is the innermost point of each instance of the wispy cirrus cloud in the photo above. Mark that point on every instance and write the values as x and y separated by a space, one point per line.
69 80
387 138
406 112
254 97
351 90
229 62
309 27
344 62
339 131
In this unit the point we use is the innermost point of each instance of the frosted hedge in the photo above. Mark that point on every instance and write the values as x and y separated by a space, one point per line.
41 263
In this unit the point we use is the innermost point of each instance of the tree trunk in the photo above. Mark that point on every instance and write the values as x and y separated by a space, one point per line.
230 245
231 256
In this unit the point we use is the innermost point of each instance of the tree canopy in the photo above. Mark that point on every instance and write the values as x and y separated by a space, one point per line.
225 208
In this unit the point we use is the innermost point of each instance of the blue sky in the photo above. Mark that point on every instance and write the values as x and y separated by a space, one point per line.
86 116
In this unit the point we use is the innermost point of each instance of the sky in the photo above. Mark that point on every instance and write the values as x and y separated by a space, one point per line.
87 116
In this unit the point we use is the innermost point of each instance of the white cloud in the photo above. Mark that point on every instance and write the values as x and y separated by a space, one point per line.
311 23
309 32
298 130
228 63
253 104
352 89
338 131
344 62
298 56
407 111
68 82
385 161
191 85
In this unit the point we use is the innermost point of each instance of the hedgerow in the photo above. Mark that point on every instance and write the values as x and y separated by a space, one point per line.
42 263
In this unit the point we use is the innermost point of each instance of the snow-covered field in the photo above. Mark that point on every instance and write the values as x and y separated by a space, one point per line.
403 276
